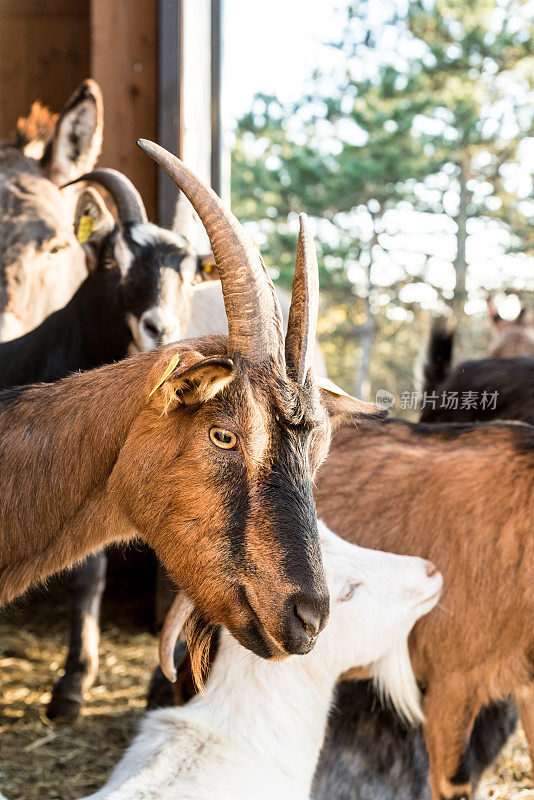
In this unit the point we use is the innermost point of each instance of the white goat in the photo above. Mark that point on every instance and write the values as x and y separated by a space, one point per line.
258 730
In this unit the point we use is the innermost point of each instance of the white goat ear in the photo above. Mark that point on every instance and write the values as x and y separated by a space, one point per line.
192 378
92 222
77 140
342 408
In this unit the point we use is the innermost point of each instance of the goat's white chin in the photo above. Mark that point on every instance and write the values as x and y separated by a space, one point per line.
428 603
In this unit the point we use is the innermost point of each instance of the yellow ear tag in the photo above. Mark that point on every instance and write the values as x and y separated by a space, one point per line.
172 365
208 268
85 228
330 386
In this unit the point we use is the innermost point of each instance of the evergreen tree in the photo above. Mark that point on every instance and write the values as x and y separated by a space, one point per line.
426 117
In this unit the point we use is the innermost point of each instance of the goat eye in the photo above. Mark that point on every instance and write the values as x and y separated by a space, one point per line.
223 438
348 592
56 248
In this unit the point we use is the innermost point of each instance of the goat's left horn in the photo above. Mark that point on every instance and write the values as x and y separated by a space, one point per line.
130 206
302 323
177 616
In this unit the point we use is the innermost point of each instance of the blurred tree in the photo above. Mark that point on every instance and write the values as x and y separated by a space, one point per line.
424 116
478 67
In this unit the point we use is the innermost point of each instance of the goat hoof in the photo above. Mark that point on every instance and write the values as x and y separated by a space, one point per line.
64 708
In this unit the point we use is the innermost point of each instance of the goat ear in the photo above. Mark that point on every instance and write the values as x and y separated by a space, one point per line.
206 268
192 378
77 140
92 222
342 408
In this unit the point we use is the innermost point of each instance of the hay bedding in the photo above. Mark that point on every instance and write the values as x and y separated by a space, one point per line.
43 761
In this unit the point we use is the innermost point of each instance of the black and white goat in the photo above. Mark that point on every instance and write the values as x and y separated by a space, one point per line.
134 298
258 729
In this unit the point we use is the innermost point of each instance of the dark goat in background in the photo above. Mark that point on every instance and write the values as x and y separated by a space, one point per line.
130 265
511 378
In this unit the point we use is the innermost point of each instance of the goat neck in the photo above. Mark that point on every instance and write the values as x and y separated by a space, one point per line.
286 704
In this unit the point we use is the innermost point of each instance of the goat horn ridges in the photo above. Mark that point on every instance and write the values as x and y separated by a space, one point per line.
177 615
302 323
130 206
252 308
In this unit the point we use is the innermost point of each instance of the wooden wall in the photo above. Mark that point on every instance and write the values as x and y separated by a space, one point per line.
124 46
47 47
44 54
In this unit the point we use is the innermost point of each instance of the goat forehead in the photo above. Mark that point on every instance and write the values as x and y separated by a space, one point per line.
36 203
150 280
145 234
169 287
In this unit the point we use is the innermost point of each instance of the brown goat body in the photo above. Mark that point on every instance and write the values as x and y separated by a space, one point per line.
463 497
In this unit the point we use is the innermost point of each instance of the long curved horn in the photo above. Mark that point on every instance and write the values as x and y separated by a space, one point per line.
252 308
130 206
302 323
177 616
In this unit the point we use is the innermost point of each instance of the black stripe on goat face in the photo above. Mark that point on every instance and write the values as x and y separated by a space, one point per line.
274 541
158 269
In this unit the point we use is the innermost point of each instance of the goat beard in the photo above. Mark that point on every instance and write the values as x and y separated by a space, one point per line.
199 634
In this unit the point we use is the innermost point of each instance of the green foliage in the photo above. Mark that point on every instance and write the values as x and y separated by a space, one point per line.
425 117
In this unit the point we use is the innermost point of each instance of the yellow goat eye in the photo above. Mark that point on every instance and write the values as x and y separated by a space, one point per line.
223 438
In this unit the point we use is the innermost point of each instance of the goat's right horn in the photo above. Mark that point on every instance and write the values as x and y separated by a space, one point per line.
302 323
252 307
177 615
129 203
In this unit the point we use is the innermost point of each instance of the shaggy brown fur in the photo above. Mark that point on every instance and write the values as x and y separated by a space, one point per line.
461 496
100 457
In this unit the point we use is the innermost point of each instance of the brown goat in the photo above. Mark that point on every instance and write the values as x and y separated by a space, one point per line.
512 337
205 449
462 496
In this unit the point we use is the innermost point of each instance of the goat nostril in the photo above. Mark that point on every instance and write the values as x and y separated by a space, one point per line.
311 620
431 569
152 328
